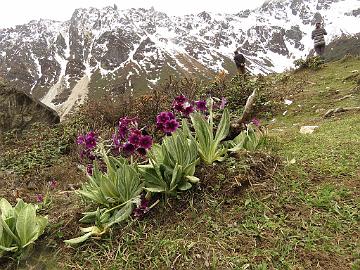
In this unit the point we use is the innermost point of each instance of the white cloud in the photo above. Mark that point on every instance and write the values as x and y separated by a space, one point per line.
15 12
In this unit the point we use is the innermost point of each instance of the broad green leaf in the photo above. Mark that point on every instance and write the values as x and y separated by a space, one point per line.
7 229
6 209
79 239
42 223
26 226
224 126
93 231
185 186
122 214
155 189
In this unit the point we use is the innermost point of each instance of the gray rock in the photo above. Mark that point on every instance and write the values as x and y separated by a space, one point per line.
18 110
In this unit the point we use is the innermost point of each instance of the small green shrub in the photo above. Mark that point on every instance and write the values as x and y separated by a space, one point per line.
314 62
117 191
250 139
172 165
209 142
20 227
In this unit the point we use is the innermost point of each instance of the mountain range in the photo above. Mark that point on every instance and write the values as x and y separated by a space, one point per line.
116 52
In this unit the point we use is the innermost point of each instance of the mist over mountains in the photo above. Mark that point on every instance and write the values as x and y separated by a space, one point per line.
117 51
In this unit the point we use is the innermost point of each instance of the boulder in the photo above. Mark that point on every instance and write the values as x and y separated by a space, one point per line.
18 110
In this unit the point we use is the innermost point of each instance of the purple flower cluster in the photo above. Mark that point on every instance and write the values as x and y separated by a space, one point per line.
129 139
182 105
166 122
88 142
201 105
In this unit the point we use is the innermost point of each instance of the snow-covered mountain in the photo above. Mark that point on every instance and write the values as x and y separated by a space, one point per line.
125 51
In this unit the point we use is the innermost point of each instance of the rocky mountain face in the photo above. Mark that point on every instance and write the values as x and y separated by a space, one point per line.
116 51
18 110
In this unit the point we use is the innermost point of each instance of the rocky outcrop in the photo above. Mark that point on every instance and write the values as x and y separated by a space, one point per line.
18 111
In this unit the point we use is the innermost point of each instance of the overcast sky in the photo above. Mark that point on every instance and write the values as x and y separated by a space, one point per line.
13 12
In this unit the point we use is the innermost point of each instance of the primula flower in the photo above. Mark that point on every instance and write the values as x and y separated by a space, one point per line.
162 117
90 140
201 105
171 125
89 169
116 141
91 156
126 122
256 122
188 110
123 131
160 126
129 148
178 107
134 138
142 208
180 99
145 142
171 115
39 198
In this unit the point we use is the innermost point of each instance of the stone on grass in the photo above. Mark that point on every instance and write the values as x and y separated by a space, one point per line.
308 129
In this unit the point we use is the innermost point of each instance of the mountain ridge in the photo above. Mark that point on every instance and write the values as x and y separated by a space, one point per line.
127 51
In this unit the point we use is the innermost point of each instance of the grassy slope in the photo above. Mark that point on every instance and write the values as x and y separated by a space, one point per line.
256 212
304 217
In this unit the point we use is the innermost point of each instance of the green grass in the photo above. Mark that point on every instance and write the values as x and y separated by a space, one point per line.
295 205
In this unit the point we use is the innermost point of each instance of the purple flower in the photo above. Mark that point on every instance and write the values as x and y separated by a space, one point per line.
162 117
89 169
53 183
39 198
256 121
91 156
171 115
116 141
180 99
129 148
141 151
124 122
146 141
188 110
80 139
223 103
170 126
178 107
90 140
160 126
134 138
201 105
142 208
123 131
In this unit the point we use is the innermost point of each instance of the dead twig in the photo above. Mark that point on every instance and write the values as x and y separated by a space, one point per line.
331 112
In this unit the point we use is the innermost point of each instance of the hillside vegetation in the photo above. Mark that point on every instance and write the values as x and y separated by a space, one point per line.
293 203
